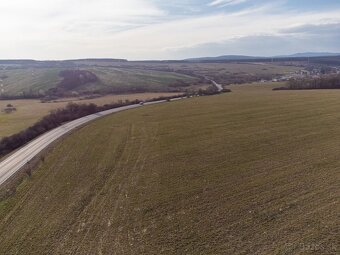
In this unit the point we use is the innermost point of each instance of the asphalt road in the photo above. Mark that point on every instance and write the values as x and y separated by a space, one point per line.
20 158
218 86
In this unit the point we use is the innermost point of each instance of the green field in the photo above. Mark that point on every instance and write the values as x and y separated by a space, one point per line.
226 73
39 80
249 172
133 77
150 80
26 80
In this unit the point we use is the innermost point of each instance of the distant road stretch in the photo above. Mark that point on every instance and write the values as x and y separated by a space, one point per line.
20 158
218 86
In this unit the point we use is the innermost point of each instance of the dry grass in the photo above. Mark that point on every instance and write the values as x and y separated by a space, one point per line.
249 172
30 111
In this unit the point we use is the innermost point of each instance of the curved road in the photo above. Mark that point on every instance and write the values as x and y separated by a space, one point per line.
17 160
219 87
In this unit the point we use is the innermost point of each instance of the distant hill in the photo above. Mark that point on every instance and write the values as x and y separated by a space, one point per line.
309 55
49 63
244 57
31 81
97 60
225 57
17 61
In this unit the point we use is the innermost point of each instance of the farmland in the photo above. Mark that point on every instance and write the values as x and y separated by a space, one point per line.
28 81
116 80
31 110
254 171
226 73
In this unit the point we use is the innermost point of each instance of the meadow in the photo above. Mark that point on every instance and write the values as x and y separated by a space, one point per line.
254 171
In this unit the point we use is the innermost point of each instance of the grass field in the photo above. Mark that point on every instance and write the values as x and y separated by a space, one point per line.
248 172
137 76
40 80
30 111
249 68
150 80
227 72
25 80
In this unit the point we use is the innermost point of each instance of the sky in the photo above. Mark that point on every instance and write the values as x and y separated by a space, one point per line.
171 29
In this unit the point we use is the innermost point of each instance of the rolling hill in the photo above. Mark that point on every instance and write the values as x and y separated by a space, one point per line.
224 57
263 58
309 55
249 172
38 81
31 80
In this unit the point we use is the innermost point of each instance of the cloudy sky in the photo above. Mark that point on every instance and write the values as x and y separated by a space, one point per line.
172 29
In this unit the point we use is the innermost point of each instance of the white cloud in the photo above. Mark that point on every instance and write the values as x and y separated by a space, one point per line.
134 29
43 28
33 18
160 39
226 2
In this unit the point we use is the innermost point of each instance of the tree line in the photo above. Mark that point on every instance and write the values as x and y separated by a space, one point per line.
322 82
55 119
71 112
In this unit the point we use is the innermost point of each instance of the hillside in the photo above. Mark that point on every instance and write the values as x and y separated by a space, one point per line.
248 172
309 55
108 77
224 73
33 81
263 58
224 57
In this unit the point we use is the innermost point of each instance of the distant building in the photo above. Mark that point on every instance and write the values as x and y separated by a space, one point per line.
305 72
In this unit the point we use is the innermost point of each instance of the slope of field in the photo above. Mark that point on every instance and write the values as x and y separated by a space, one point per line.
29 80
226 73
149 80
249 172
30 111
32 81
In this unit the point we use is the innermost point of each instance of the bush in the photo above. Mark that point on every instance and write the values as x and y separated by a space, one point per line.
211 91
281 88
49 122
226 90
75 78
